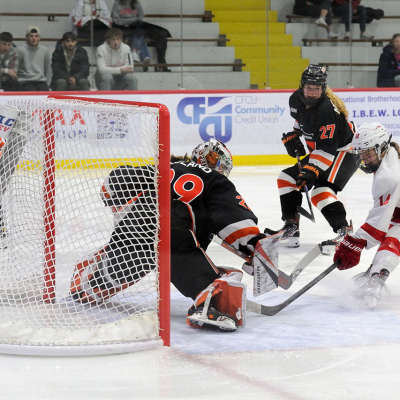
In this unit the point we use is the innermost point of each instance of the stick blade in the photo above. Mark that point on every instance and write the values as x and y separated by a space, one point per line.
272 310
305 213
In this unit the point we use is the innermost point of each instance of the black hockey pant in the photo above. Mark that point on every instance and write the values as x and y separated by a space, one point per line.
333 179
191 269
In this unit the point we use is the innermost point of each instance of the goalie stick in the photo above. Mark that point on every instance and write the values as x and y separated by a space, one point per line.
300 209
284 281
272 310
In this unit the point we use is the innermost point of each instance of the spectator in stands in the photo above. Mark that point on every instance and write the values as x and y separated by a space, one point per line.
320 9
8 63
70 64
87 13
128 16
34 60
340 8
389 64
115 64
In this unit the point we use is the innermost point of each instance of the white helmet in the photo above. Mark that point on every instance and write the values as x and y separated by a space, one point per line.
372 135
215 155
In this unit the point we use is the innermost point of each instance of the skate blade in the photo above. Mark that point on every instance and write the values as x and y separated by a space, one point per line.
291 243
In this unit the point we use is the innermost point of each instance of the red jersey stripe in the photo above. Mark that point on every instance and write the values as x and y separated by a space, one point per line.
375 233
390 244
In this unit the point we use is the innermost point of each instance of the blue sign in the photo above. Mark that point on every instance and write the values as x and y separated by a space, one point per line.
212 114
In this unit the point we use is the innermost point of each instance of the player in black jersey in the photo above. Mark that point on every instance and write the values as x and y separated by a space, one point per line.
203 202
321 118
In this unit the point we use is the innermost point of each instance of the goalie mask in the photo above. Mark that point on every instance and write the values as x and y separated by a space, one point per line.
371 142
215 155
314 75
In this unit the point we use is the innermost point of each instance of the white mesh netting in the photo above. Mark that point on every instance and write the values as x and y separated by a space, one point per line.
90 140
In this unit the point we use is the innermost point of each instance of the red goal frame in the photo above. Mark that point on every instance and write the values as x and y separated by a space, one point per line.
164 204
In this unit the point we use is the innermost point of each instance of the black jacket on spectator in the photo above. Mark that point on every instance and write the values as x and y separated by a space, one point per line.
302 8
79 64
388 68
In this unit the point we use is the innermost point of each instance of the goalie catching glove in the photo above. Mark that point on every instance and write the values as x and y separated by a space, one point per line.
221 306
293 144
349 252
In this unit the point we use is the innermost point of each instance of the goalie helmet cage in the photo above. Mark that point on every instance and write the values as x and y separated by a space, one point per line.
52 216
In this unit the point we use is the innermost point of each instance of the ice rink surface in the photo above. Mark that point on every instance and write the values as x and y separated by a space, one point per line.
321 347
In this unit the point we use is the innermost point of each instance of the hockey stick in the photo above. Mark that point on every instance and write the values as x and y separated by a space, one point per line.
284 281
272 310
300 209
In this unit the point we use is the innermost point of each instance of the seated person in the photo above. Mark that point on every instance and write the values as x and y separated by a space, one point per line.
87 13
320 9
34 61
128 16
70 64
389 64
115 64
8 63
340 8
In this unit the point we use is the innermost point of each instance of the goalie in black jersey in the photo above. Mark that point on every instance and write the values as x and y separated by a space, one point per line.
321 118
203 202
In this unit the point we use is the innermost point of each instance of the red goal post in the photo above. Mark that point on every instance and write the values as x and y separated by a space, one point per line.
53 216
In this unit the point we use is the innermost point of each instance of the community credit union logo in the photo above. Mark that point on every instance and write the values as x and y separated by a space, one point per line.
212 114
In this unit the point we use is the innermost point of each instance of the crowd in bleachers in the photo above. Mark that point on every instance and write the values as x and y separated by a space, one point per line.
121 37
352 11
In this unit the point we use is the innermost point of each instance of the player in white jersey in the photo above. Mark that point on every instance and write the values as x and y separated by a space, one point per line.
382 226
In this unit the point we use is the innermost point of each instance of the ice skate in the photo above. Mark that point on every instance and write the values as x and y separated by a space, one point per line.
329 246
291 233
369 288
211 319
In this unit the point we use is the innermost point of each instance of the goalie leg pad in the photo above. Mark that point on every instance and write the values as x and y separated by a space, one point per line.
91 282
221 306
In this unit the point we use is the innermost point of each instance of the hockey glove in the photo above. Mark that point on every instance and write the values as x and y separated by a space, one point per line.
293 143
349 252
307 176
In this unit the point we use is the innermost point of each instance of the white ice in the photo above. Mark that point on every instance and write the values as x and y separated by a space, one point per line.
320 347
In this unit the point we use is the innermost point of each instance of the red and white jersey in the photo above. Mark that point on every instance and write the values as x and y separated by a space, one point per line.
386 195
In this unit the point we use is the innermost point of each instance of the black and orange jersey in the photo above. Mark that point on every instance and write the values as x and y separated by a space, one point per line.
324 127
216 205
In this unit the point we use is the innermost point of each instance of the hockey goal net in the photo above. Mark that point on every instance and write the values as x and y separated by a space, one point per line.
52 216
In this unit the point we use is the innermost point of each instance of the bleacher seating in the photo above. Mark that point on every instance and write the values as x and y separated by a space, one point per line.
200 54
350 63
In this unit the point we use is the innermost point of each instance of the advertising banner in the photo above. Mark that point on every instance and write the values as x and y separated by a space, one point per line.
251 122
